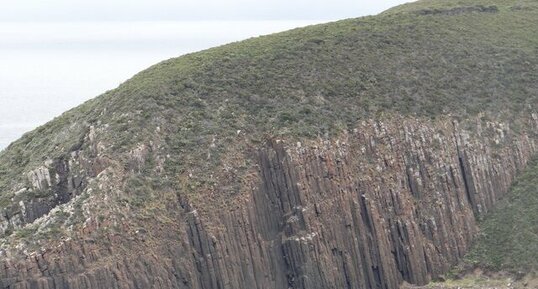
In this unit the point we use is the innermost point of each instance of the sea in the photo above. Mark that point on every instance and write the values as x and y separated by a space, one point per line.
47 68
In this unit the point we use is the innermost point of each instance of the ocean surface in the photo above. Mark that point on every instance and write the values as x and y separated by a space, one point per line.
48 68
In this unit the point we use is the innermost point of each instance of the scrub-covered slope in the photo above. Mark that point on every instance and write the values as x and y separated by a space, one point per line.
354 154
509 236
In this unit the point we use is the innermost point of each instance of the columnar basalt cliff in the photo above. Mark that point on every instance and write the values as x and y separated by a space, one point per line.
54 183
392 200
355 154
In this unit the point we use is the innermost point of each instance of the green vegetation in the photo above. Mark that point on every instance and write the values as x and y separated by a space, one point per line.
509 236
507 248
200 108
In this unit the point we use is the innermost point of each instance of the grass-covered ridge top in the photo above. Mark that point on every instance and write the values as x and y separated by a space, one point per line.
307 82
481 5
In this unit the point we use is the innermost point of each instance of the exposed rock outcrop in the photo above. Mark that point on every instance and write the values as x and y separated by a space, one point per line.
54 183
393 200
355 154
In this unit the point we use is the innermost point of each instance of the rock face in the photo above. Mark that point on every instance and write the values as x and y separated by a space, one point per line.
393 200
54 183
356 154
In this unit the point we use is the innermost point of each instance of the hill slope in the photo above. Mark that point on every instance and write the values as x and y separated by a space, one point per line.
509 235
359 153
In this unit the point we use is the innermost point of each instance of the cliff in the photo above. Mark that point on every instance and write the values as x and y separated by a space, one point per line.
355 154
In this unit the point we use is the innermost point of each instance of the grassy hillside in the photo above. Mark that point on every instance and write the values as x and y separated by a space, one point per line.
325 77
429 58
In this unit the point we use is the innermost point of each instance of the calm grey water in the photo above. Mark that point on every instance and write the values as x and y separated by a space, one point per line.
47 68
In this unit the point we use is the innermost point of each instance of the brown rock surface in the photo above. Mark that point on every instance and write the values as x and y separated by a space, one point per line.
393 200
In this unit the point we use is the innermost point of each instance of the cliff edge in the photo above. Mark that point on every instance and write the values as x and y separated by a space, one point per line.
354 154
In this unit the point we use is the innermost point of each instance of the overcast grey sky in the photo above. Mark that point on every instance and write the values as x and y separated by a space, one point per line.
181 10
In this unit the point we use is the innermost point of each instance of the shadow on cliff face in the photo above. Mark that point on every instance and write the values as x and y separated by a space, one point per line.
394 200
388 139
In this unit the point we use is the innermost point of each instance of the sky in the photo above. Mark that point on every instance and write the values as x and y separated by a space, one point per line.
182 10
56 54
